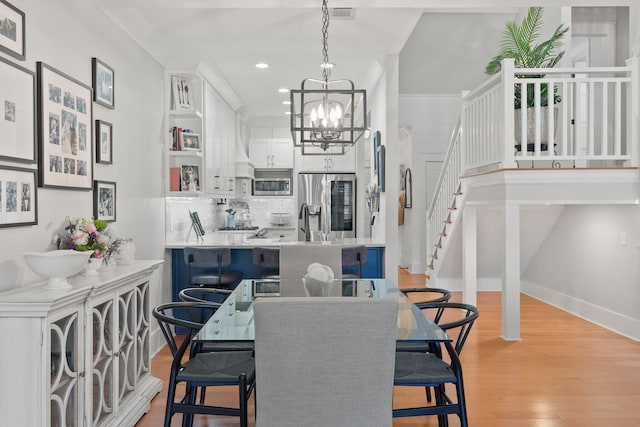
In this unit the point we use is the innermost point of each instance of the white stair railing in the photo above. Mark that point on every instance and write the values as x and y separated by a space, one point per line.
444 198
595 124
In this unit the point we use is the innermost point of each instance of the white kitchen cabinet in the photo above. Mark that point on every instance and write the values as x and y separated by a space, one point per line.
183 165
220 141
271 148
81 356
328 163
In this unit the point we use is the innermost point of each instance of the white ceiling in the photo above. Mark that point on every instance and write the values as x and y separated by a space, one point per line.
233 35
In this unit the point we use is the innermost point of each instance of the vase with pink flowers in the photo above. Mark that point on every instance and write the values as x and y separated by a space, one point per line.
81 234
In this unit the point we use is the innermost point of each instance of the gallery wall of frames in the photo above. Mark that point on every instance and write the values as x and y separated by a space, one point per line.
51 128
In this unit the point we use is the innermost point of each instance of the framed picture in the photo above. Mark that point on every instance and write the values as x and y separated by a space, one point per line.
104 142
376 145
103 83
12 30
190 141
182 91
381 167
190 178
65 151
104 200
18 117
18 197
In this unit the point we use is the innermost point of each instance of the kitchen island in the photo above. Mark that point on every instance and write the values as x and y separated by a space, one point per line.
241 246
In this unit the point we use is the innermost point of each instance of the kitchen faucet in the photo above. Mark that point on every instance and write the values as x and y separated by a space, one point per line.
304 214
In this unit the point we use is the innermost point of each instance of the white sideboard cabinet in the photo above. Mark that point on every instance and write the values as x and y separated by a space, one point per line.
79 357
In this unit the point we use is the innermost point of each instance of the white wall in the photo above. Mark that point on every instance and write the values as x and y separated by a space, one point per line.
67 40
584 267
383 104
431 120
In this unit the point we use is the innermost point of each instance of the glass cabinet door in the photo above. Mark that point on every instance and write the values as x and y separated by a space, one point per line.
65 375
102 361
126 344
142 326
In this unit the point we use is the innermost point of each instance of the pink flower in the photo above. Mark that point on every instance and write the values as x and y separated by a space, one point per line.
97 254
80 238
102 239
91 228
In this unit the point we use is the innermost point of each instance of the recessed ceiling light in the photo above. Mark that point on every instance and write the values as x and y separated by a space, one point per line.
287 113
283 90
262 65
286 102
327 65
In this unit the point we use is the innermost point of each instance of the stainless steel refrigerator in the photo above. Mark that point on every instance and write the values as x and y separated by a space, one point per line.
326 206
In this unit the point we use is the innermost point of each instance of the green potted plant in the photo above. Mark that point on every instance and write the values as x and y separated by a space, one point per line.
519 43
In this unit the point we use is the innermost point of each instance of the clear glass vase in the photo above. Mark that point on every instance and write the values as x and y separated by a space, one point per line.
93 265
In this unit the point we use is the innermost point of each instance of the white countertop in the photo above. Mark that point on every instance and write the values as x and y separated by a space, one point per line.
238 240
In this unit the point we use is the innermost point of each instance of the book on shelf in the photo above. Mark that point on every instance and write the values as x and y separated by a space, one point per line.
176 139
174 179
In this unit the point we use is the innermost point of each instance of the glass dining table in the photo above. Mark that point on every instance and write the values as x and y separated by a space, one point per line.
233 321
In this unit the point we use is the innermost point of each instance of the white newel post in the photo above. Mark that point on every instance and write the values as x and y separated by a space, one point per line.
507 82
469 255
511 273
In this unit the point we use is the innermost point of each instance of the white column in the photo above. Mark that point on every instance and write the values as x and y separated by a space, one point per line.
511 274
469 255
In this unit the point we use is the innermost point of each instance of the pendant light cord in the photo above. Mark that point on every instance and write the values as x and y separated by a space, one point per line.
326 70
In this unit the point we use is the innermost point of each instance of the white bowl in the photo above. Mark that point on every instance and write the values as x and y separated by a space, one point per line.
57 265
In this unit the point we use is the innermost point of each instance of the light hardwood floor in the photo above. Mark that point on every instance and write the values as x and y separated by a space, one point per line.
564 372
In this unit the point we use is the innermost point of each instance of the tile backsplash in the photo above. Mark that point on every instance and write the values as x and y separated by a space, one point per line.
264 207
211 214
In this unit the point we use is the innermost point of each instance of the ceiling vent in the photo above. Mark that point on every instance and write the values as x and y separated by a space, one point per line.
343 13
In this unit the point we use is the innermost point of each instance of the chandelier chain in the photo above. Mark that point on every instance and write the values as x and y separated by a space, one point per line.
326 70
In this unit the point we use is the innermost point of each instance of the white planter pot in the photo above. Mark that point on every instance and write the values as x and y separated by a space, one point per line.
531 127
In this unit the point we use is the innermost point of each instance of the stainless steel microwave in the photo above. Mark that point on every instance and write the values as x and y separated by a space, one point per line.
272 187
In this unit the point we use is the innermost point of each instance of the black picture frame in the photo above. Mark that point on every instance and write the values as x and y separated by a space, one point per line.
65 125
104 200
12 31
104 142
18 197
103 81
18 117
376 144
381 167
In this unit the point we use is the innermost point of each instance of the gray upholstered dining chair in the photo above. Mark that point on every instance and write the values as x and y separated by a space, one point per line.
327 361
294 259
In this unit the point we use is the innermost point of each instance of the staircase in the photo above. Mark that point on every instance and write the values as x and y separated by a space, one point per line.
596 144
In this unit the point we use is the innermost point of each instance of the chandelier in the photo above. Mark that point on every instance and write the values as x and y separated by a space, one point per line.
327 117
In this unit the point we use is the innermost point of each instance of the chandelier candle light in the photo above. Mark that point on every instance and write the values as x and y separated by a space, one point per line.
326 122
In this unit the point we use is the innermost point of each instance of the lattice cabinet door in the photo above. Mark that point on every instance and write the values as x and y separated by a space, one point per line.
103 359
126 348
66 370
143 330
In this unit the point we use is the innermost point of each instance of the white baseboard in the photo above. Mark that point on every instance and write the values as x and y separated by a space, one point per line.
598 315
